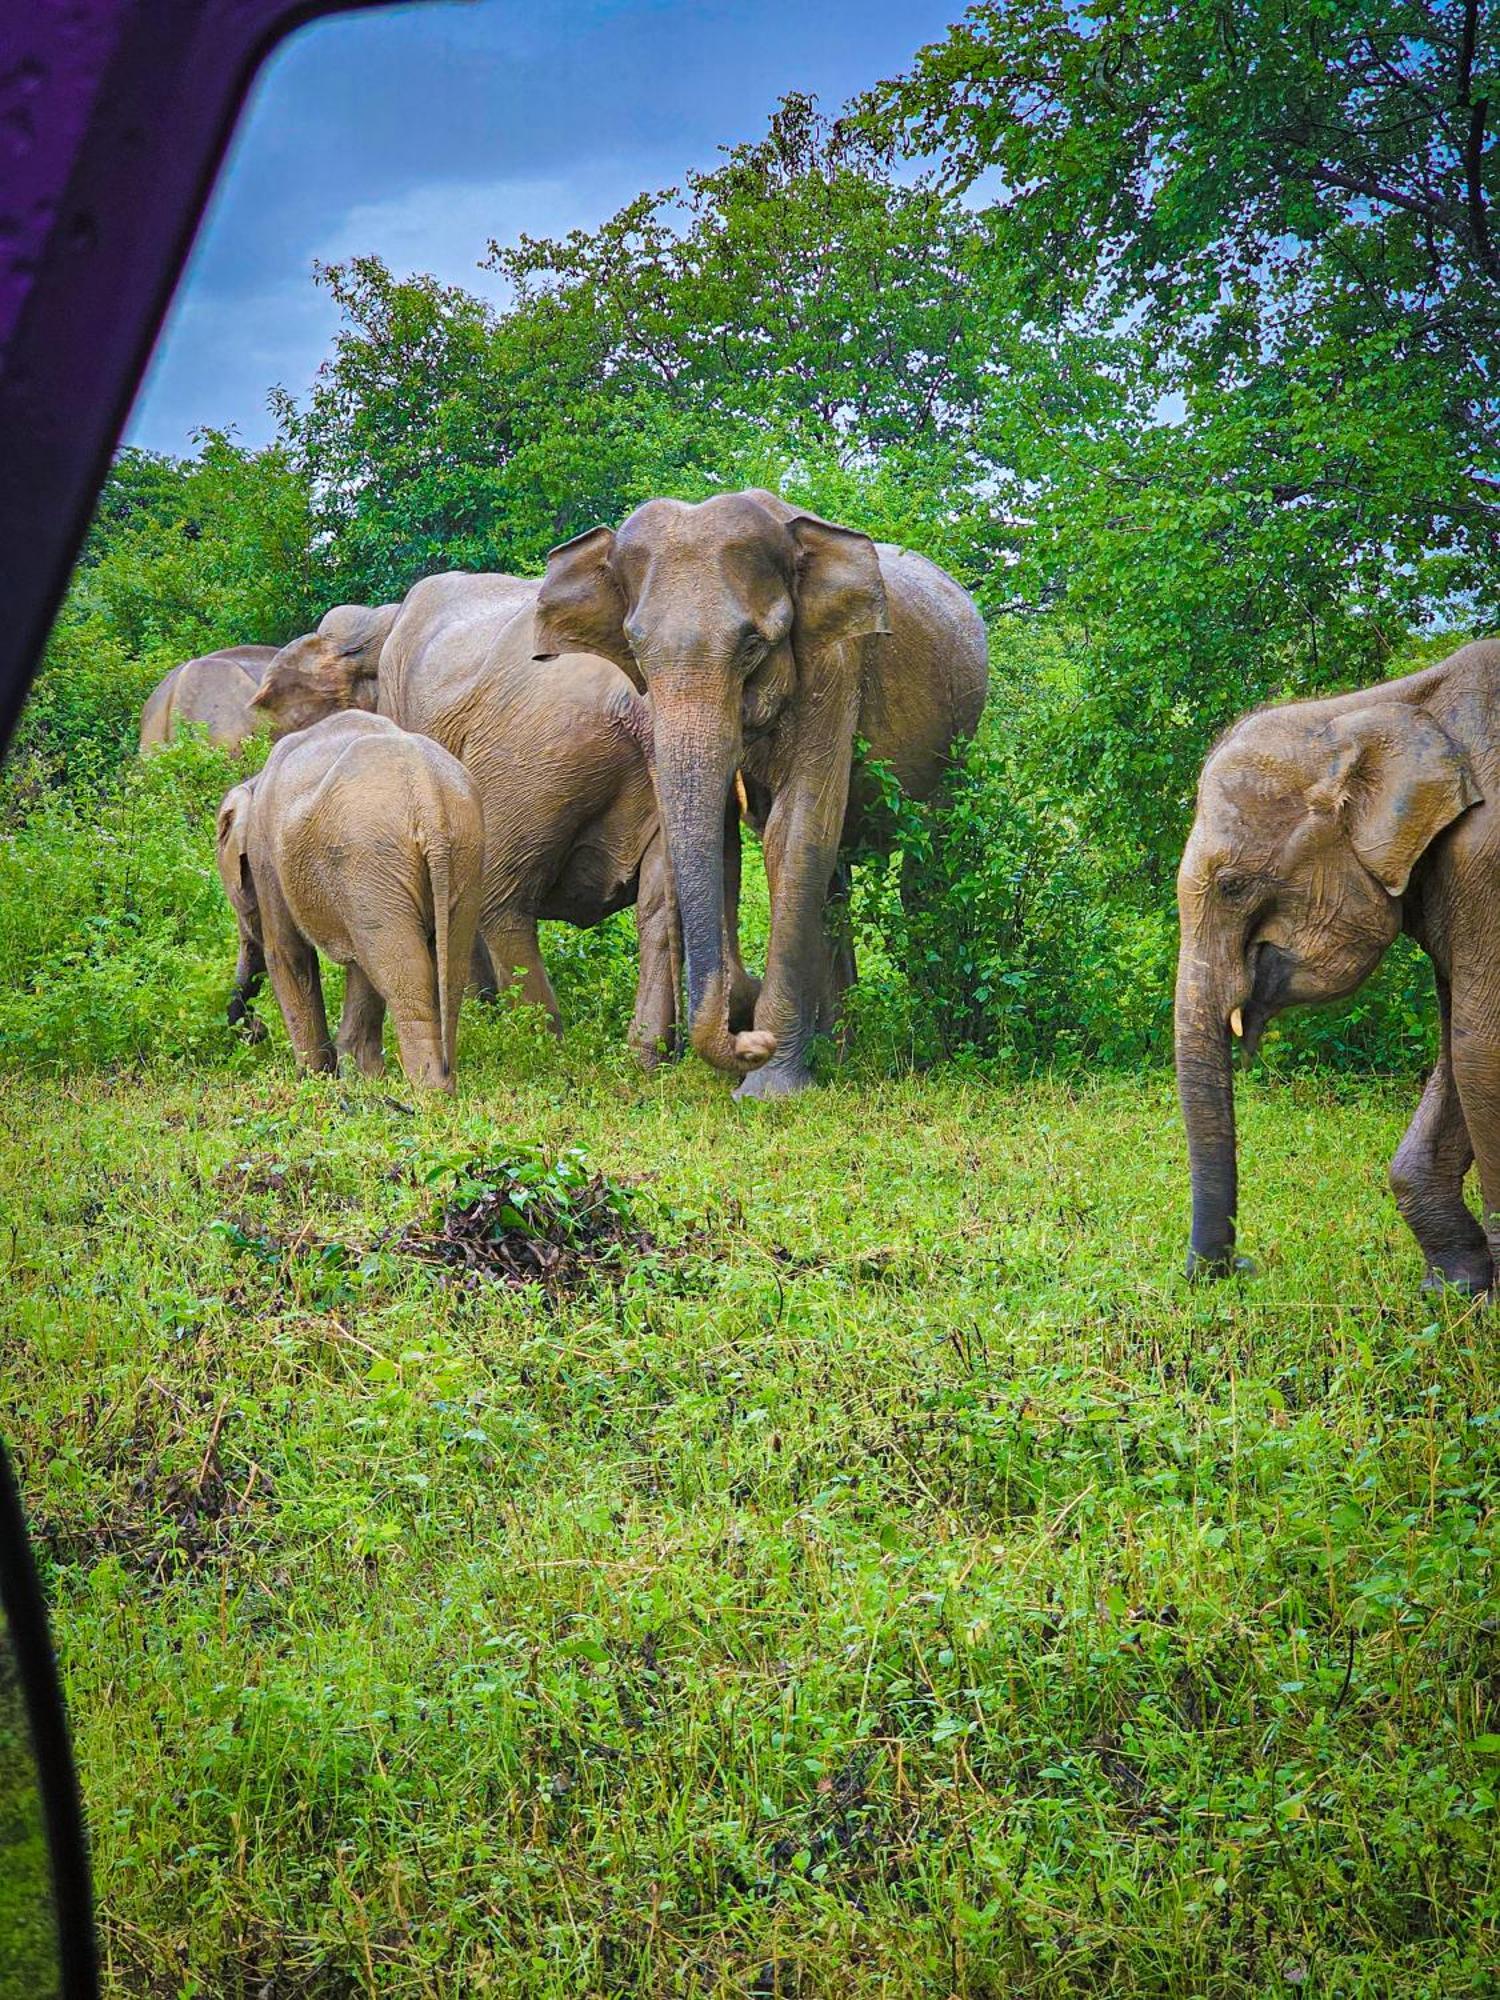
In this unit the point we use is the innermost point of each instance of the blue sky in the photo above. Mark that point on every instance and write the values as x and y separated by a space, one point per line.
418 132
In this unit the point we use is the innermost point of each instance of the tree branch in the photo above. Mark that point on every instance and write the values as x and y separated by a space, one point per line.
1479 226
1372 190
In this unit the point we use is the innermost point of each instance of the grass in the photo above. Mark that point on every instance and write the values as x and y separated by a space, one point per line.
888 1578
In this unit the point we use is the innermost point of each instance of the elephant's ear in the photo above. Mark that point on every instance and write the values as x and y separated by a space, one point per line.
230 830
358 631
580 608
1397 780
840 591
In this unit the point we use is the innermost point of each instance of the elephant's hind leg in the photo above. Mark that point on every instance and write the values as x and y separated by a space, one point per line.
744 987
363 1018
838 925
293 965
1427 1179
482 973
516 956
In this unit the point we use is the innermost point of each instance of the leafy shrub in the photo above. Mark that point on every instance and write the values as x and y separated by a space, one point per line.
1030 932
116 938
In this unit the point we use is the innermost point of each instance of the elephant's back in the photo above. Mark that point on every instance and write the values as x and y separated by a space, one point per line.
156 715
447 652
925 682
215 691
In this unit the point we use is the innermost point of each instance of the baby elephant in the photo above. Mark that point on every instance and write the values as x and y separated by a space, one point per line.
365 843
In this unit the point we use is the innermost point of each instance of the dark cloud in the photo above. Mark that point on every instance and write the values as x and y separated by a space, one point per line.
417 132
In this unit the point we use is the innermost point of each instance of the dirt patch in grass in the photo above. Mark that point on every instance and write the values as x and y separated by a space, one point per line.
532 1219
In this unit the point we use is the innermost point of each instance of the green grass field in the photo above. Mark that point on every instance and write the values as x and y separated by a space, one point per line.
886 1578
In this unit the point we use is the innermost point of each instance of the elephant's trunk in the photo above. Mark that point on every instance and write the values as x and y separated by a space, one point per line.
1205 1088
694 768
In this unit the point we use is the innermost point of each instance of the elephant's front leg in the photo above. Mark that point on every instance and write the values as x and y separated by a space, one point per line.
1427 1177
802 838
654 1031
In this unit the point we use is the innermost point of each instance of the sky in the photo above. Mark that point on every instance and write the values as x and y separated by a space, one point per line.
419 132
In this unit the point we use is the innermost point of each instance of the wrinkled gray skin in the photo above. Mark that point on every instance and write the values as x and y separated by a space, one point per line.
767 640
1323 829
560 756
365 843
214 691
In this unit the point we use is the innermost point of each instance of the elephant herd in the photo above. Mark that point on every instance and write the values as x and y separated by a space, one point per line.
495 750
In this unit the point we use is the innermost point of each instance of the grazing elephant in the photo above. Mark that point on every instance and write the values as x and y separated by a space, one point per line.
769 640
215 691
365 843
561 758
1323 829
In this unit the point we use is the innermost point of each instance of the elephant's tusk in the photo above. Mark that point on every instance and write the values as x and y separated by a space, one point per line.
1237 1025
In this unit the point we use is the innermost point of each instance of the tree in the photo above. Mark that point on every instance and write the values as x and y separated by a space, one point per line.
1281 217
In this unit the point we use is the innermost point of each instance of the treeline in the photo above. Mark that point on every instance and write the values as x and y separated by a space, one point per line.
1171 333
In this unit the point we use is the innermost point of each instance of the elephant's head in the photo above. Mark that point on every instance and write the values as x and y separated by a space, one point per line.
338 666
719 612
1310 820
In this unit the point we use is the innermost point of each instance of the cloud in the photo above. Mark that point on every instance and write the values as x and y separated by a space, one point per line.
444 227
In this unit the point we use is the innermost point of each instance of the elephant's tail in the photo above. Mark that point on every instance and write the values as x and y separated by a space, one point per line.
438 875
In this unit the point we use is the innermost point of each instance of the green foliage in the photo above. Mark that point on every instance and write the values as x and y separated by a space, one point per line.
1008 927
115 935
1273 226
184 556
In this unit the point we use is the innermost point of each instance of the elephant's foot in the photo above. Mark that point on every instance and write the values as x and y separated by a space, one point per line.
369 1062
776 1080
1205 1268
242 1016
1465 1277
654 1054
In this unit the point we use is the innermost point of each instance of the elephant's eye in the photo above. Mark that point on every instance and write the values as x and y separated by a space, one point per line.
1233 886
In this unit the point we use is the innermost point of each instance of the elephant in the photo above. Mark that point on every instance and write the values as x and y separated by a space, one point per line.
214 691
366 843
768 640
337 666
561 758
1323 829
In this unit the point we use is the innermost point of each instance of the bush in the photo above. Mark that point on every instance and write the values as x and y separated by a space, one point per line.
117 941
1028 932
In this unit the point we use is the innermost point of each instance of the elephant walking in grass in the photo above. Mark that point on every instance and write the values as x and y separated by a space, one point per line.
768 641
215 691
365 843
1323 829
561 757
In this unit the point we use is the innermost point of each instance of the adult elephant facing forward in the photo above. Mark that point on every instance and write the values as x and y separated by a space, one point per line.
768 640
